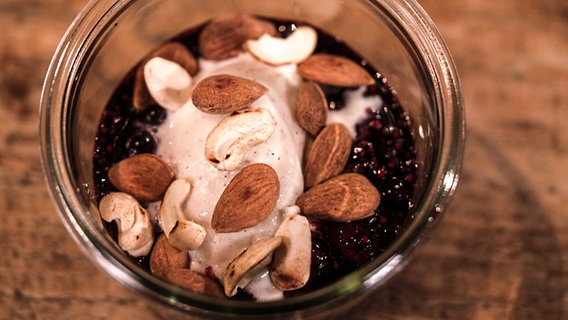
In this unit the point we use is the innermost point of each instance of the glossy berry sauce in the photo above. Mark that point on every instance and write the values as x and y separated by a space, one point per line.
384 151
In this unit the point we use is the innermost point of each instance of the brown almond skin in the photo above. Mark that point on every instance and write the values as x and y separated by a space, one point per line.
248 199
165 257
347 197
144 176
311 107
224 37
173 51
224 93
195 282
334 70
328 154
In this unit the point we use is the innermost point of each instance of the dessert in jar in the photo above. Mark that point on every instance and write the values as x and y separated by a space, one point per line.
253 158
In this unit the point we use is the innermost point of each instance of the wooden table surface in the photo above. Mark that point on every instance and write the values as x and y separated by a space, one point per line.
499 253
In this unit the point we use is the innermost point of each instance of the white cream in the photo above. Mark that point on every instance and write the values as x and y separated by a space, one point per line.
182 143
354 110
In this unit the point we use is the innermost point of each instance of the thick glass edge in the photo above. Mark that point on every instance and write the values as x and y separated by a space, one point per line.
55 160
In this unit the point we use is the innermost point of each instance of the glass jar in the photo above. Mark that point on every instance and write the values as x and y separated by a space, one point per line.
109 37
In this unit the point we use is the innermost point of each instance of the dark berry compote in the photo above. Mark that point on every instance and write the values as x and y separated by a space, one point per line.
383 151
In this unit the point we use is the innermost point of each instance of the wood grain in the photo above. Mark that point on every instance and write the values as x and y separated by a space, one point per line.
499 253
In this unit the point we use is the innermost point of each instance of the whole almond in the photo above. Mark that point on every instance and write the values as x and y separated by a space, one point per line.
334 70
144 176
311 107
173 51
165 257
224 93
224 37
195 282
347 197
328 154
248 199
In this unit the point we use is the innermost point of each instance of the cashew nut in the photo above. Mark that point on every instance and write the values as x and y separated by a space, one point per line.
277 51
135 232
243 268
182 233
290 268
168 83
228 143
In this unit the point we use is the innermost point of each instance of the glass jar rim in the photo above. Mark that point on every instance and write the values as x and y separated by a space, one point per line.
57 166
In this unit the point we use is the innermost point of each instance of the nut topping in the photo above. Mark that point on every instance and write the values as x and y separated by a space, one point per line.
173 51
144 176
224 93
195 282
334 70
243 268
277 51
165 257
311 107
238 114
328 154
224 36
290 268
167 82
248 199
228 143
135 232
347 197
181 232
